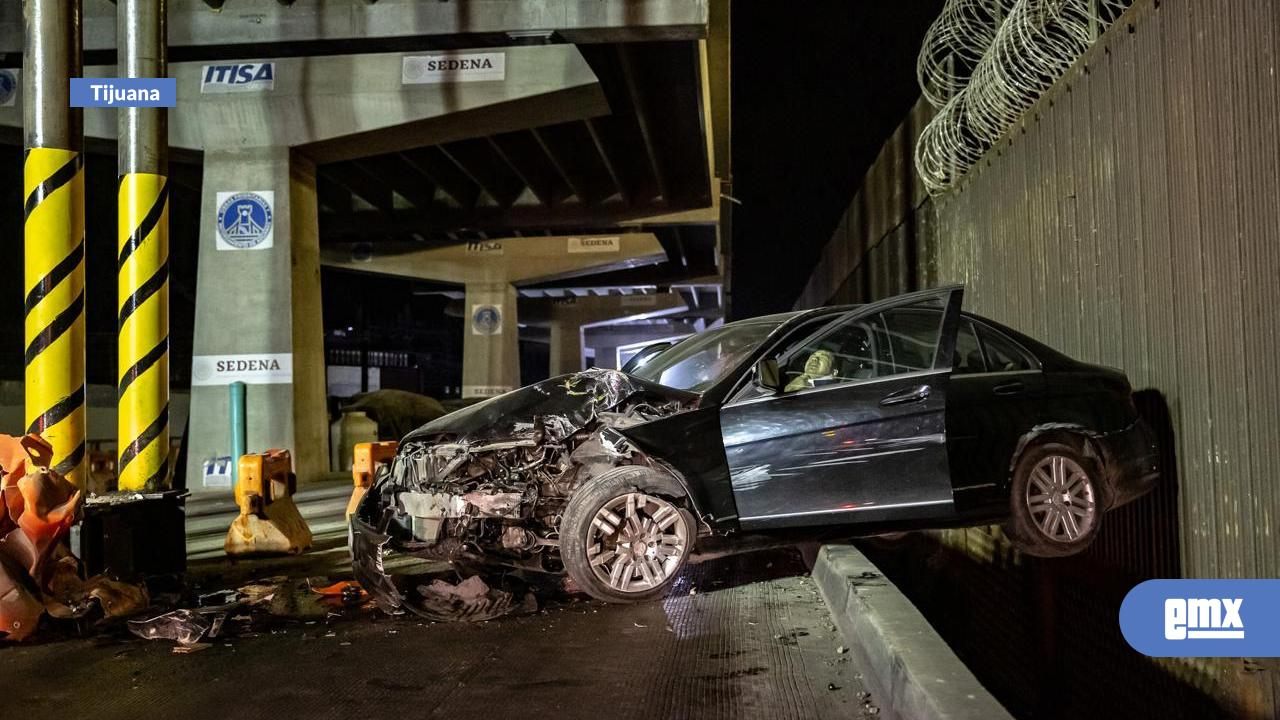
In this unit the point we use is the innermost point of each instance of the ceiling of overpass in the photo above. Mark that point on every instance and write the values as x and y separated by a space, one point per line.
647 157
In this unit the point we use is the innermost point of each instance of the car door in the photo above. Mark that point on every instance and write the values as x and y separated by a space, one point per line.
858 433
995 397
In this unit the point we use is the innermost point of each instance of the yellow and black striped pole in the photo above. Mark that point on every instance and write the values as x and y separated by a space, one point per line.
53 233
143 349
143 261
54 271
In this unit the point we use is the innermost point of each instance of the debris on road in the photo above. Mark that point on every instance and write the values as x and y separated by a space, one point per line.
348 592
471 600
38 507
186 627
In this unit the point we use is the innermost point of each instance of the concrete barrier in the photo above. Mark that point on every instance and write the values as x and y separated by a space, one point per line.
910 671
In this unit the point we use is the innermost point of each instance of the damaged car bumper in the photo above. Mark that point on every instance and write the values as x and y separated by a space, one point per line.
1134 460
368 548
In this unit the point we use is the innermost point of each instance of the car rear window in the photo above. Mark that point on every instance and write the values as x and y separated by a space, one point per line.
1002 354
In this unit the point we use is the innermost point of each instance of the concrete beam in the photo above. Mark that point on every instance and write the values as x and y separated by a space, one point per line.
346 106
509 260
251 23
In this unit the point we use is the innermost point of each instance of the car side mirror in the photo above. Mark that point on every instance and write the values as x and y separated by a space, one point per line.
767 375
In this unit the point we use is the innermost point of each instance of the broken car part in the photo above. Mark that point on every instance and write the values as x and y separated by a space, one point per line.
37 573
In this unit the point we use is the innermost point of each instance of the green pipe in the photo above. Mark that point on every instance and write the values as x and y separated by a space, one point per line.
238 432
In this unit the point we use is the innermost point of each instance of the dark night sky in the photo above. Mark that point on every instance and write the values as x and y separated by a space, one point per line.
817 88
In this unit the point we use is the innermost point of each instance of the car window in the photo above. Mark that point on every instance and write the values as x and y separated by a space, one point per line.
895 341
698 362
1002 354
968 355
913 336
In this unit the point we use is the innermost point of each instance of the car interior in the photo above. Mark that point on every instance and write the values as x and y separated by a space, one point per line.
899 340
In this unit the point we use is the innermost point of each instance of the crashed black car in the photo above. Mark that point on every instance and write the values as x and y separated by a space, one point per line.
904 413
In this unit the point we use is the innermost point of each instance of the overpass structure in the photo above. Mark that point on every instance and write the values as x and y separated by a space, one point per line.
590 135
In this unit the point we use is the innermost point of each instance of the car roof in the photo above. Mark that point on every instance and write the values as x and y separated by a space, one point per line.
780 318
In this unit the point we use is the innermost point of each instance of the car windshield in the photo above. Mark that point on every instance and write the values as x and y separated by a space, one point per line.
697 363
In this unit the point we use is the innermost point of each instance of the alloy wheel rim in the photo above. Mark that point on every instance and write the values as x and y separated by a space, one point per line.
1061 500
636 542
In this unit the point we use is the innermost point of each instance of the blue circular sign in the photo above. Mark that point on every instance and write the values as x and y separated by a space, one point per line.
8 86
244 220
487 320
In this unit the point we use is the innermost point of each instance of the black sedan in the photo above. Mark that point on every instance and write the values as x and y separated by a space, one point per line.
904 413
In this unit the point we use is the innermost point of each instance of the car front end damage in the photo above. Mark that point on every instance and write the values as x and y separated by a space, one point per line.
488 484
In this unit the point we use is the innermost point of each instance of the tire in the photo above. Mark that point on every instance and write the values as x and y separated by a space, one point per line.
1056 499
655 545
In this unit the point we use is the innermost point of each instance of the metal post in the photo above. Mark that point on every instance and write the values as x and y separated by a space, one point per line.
143 232
53 232
239 434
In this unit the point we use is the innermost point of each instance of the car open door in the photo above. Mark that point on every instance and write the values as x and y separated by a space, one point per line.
857 430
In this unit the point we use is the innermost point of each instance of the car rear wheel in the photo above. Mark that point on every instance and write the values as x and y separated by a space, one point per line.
1056 500
626 535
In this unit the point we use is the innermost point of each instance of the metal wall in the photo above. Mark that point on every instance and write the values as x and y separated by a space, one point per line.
1134 221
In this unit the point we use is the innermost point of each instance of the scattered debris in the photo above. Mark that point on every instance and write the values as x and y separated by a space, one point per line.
38 507
186 627
348 592
471 600
186 649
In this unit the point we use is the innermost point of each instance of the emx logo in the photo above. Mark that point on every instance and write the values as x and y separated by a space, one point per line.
1203 618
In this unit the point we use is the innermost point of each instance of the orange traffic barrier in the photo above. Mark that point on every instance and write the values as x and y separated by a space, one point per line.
269 522
368 457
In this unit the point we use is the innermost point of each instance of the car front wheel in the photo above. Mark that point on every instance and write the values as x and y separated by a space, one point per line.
1055 500
626 534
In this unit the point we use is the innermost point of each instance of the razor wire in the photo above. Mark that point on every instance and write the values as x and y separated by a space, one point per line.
984 63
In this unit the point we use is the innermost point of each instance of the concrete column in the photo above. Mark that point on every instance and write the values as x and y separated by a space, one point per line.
566 346
568 318
258 314
490 347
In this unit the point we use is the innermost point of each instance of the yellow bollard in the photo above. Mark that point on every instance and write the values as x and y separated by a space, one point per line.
53 264
269 523
368 457
143 348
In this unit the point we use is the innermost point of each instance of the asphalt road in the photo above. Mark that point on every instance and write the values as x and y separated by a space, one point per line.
741 637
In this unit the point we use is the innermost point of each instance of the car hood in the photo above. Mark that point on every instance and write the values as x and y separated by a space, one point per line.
576 399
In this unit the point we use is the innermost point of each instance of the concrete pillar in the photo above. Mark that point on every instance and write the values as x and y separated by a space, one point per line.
258 316
490 348
566 346
568 317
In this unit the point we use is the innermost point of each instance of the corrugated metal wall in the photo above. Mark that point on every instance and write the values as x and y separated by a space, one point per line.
1134 221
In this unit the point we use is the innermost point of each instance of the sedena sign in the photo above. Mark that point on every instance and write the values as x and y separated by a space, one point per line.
251 369
453 68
